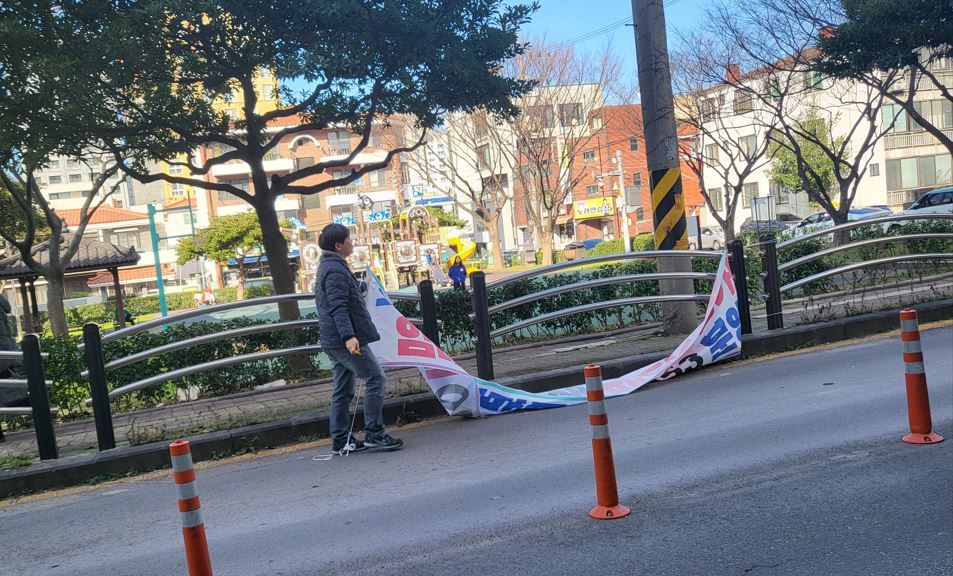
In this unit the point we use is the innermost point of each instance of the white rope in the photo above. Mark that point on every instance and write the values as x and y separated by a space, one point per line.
350 431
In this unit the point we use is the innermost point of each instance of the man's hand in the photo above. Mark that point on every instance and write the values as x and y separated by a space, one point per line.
353 346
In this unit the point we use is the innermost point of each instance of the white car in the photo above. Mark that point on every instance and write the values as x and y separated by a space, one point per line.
713 238
822 220
934 202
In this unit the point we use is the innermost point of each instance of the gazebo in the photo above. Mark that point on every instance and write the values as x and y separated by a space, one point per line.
92 255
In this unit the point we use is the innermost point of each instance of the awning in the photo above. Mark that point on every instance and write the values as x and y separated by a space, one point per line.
128 276
563 219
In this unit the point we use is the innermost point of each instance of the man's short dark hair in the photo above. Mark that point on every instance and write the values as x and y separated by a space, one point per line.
331 235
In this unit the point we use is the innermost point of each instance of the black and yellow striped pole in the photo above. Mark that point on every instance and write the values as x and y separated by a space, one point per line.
661 151
668 209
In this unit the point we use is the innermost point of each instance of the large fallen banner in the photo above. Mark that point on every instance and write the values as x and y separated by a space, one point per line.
403 345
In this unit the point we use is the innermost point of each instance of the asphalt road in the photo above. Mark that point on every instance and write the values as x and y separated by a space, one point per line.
786 466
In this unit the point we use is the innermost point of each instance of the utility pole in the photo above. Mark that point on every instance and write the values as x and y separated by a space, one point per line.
661 149
623 205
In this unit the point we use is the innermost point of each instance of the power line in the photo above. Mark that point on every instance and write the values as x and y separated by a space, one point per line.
603 30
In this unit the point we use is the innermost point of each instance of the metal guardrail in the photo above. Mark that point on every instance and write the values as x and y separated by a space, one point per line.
19 383
599 306
22 411
542 295
589 260
862 223
14 355
835 249
206 366
859 265
204 339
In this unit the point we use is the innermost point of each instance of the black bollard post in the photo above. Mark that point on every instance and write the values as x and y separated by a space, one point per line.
736 258
772 282
428 311
481 326
102 412
39 397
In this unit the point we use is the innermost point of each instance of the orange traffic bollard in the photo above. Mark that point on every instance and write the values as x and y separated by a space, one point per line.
918 398
607 494
193 530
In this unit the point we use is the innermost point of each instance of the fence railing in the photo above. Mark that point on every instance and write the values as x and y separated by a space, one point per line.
772 268
36 384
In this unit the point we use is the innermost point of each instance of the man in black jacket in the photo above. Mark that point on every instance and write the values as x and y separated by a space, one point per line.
346 331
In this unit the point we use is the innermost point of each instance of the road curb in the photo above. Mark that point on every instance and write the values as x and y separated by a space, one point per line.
81 468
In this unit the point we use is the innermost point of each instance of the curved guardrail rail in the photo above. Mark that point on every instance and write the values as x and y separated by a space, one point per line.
860 224
589 260
860 265
542 295
211 365
598 306
872 241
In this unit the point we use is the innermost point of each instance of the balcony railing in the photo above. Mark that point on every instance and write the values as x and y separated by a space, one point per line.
911 139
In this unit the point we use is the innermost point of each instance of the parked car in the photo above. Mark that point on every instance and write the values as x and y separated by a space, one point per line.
822 220
713 238
934 202
579 248
781 222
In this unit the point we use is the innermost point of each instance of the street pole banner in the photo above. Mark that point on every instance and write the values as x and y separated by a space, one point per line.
402 345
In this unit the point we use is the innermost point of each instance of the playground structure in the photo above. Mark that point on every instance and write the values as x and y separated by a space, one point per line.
465 249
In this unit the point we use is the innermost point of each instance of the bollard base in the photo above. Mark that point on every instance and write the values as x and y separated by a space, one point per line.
930 438
609 512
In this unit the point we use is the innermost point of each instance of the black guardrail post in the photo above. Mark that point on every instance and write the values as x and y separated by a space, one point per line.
481 326
428 311
39 397
102 413
772 281
736 258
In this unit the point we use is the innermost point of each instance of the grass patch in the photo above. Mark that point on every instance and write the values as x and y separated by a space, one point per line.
13 461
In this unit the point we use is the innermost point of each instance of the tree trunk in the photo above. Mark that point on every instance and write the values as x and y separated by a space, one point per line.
841 237
55 293
242 272
495 247
545 245
276 248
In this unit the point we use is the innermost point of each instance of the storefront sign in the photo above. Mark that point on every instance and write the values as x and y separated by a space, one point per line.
593 208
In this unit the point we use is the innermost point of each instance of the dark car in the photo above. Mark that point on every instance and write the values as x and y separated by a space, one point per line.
781 222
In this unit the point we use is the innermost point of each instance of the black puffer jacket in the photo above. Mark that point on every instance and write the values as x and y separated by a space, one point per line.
341 309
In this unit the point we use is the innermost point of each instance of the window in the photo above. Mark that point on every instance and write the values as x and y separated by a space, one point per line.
711 107
377 178
749 192
175 168
405 173
311 201
75 178
483 155
242 185
711 153
717 199
232 114
640 214
304 162
742 102
633 143
919 172
813 80
60 196
73 163
592 190
636 179
56 179
268 92
55 163
265 73
946 110
875 169
128 238
570 114
540 117
588 155
597 122
339 142
748 146
781 193
178 190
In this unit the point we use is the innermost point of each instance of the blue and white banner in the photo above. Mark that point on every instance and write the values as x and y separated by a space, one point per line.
403 345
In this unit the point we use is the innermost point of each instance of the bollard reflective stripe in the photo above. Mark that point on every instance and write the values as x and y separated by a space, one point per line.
607 494
918 397
190 509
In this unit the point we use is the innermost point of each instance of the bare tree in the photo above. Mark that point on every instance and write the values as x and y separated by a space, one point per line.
31 212
731 138
553 130
478 171
777 49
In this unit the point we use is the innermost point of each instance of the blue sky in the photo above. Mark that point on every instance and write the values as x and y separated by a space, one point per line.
591 24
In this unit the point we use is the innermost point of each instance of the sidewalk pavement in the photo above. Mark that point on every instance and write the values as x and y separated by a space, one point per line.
530 366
